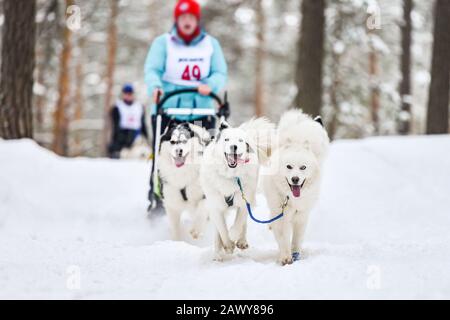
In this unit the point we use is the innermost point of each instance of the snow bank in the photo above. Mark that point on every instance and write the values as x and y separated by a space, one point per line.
380 231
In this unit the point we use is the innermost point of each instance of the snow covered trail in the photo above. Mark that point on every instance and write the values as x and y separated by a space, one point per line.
381 230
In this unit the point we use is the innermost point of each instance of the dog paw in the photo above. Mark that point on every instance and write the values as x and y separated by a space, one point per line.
242 244
229 247
285 260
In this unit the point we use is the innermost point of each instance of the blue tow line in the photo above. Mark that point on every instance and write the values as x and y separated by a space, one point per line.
249 207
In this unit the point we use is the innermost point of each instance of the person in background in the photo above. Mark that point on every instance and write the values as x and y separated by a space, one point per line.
128 122
186 57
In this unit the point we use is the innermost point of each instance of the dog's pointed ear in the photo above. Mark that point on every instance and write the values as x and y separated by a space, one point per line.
224 125
166 130
169 128
171 125
165 135
319 120
250 149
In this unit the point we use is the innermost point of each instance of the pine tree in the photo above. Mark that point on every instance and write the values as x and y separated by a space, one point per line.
60 121
110 68
405 84
18 62
438 105
260 56
310 57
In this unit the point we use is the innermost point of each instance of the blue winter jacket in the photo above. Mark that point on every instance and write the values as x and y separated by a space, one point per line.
155 68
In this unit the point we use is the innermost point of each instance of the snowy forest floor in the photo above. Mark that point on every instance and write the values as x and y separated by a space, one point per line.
381 230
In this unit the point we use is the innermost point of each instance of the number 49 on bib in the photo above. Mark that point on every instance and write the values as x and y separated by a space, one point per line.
189 74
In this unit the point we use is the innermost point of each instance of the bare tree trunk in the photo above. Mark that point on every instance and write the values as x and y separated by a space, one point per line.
18 62
111 63
310 57
41 98
438 104
405 84
46 35
79 76
336 57
260 57
374 90
332 127
60 121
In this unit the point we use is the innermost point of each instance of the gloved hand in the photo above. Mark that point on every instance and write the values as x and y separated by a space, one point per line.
158 93
204 90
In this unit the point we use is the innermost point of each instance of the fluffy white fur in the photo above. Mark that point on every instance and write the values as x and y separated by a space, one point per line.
185 177
296 163
236 152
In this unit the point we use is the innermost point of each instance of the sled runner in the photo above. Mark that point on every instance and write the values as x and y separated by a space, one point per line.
222 113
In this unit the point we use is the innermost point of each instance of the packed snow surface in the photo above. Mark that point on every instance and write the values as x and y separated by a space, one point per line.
77 229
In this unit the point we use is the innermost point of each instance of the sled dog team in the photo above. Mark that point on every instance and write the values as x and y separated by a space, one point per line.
209 177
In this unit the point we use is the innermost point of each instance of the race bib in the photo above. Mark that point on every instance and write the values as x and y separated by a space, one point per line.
188 65
130 116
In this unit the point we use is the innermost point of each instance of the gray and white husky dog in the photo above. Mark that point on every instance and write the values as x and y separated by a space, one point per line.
235 153
294 179
180 154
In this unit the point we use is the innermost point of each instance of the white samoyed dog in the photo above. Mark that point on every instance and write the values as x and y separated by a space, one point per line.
235 153
180 154
293 181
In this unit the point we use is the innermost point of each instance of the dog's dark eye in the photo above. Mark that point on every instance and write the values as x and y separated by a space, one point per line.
290 167
303 168
227 140
173 142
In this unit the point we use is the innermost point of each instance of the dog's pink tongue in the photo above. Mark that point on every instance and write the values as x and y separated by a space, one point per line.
296 191
243 160
179 162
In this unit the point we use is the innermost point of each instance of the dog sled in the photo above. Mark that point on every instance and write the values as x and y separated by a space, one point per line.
222 113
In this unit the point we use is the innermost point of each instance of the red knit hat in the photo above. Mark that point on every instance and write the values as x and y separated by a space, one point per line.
187 6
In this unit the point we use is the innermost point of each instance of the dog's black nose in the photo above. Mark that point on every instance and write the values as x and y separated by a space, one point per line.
179 152
233 148
295 180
